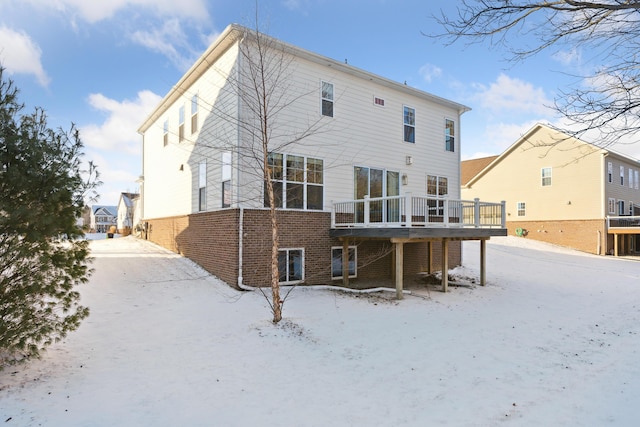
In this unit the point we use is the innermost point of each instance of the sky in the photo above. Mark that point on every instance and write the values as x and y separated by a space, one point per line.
104 65
167 344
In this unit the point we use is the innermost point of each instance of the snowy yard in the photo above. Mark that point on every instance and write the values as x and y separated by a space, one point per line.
553 340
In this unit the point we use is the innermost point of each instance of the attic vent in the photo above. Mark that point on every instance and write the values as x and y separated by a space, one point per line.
378 101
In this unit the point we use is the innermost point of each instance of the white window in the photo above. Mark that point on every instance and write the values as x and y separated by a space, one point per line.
637 181
630 178
194 113
291 265
165 133
409 119
226 180
621 175
450 135
327 99
181 123
202 186
522 208
610 171
297 182
546 177
437 186
612 206
621 207
631 208
336 262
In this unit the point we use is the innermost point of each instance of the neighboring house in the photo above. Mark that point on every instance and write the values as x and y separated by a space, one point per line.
126 210
562 190
103 217
202 191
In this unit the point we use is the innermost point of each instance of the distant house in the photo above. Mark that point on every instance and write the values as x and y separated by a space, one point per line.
103 217
562 190
373 197
126 211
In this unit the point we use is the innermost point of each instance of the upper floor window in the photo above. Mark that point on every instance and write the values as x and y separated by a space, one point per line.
297 182
630 178
409 118
181 123
621 175
621 207
637 182
194 113
522 208
165 133
612 206
226 180
327 99
546 177
610 171
450 135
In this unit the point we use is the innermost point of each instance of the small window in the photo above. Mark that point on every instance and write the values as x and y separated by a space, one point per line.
181 124
226 180
327 99
637 181
621 207
630 178
165 133
336 262
409 118
449 135
546 177
378 101
291 265
522 209
202 186
194 113
612 206
621 175
610 171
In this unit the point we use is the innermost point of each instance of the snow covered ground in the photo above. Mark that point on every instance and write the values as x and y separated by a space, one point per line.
552 340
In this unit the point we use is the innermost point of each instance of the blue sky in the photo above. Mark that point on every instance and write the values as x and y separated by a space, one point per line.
105 64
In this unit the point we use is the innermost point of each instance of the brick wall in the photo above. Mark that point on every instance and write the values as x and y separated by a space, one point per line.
211 240
582 235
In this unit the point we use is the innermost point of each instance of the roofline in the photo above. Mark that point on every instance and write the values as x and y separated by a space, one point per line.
234 32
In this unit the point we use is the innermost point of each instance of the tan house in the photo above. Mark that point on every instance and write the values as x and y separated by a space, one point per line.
562 190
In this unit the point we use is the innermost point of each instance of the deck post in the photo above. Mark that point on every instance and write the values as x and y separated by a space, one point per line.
408 210
445 265
476 212
399 273
345 263
483 262
615 244
367 209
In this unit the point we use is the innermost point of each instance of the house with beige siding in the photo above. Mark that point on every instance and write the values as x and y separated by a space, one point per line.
562 190
374 190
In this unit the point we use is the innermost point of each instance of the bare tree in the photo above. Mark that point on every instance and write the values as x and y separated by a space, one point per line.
607 98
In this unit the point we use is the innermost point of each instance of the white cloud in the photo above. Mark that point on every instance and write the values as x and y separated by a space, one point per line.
97 10
429 72
169 40
20 55
118 133
508 95
568 57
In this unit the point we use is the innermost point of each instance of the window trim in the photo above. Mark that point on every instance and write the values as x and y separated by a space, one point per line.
612 205
181 123
330 100
355 262
406 125
165 132
621 175
452 148
610 171
287 251
194 113
285 185
202 186
543 177
521 209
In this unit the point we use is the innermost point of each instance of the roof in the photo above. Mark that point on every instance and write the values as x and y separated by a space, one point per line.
128 198
110 210
234 33
470 168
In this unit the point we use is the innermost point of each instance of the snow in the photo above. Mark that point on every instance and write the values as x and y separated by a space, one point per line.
553 339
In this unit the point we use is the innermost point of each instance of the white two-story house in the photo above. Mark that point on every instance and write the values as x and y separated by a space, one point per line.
366 171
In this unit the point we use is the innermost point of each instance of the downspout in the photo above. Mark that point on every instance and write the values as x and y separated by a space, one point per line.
238 186
240 244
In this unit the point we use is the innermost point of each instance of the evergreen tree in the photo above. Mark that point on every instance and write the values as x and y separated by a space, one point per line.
42 254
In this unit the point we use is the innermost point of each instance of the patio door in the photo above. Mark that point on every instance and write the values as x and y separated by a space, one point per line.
376 183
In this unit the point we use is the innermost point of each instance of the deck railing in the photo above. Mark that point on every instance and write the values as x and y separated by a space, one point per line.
417 211
614 222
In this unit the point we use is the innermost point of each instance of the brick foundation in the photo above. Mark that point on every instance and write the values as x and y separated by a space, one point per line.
211 240
583 235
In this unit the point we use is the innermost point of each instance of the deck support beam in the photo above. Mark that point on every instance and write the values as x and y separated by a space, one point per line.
445 265
483 262
399 271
